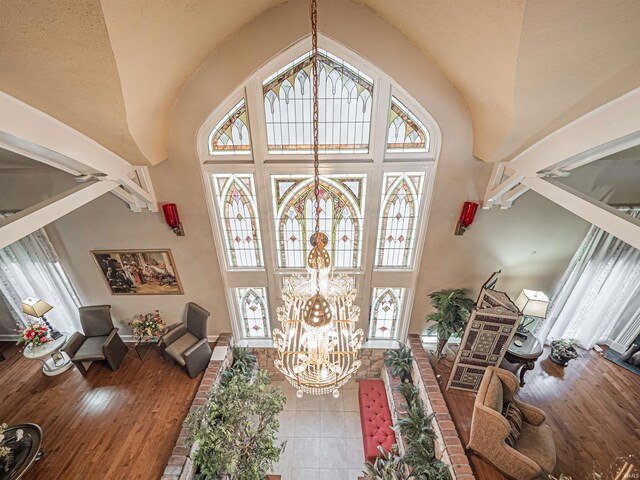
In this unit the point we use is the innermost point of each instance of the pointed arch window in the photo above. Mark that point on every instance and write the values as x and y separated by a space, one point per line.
238 212
345 101
231 135
341 203
406 133
401 199
254 313
386 309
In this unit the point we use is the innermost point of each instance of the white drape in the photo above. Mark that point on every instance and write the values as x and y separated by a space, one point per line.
30 267
599 292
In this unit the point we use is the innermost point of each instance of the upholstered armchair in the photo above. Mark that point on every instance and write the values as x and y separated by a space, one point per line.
100 340
533 455
187 343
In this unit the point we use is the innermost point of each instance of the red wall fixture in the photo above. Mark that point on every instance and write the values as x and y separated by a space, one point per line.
467 215
172 217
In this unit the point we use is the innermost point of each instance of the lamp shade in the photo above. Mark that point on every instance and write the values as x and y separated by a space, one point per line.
35 307
532 303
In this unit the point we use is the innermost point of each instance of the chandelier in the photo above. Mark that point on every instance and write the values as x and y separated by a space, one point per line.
318 344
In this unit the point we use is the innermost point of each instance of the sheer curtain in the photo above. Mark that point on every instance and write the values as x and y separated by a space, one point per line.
30 267
598 293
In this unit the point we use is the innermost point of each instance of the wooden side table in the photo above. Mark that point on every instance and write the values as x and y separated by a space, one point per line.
524 357
53 361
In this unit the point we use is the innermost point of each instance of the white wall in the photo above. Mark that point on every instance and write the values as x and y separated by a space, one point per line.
503 240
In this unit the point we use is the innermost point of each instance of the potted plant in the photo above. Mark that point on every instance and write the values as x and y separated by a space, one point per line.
562 351
8 448
236 430
400 362
453 310
147 328
34 334
388 466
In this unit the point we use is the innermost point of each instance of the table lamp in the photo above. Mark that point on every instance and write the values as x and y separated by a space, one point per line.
37 308
533 305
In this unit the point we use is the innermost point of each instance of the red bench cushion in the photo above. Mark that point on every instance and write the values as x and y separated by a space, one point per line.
375 418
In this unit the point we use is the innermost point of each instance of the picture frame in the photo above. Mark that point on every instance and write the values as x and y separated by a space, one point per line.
139 272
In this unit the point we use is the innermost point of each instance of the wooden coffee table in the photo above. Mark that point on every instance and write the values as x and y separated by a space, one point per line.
523 357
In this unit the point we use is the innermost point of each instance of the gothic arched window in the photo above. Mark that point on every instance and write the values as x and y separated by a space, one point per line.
256 155
398 212
239 219
385 311
341 205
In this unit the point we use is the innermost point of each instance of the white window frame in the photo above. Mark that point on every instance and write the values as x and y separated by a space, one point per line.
262 165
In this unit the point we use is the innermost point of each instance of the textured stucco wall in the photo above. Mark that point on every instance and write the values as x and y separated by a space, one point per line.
532 242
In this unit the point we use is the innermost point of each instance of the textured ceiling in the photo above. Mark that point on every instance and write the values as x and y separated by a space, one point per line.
113 69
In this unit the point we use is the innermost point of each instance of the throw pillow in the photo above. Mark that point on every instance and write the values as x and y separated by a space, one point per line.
513 415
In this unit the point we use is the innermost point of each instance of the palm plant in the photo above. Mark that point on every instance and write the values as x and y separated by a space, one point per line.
453 310
244 363
400 363
388 466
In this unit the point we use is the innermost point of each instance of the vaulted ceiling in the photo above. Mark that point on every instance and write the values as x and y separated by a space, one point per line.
113 69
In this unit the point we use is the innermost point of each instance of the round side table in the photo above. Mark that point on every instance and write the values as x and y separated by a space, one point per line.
54 362
524 356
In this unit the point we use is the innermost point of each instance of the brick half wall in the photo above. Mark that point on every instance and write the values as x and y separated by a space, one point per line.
448 443
180 465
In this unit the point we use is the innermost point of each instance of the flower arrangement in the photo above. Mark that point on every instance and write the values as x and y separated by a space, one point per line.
147 327
34 334
7 453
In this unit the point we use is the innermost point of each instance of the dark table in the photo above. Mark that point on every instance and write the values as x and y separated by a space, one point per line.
28 453
524 357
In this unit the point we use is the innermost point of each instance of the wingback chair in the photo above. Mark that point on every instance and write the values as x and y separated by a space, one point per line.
187 343
100 340
534 454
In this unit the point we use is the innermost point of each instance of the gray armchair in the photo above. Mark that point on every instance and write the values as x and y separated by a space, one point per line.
187 342
100 340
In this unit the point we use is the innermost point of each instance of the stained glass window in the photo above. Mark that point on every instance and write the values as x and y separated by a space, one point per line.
236 197
231 135
406 132
401 198
386 309
345 100
254 313
341 206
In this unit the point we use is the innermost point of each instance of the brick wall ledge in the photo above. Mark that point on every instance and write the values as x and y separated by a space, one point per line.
180 465
448 442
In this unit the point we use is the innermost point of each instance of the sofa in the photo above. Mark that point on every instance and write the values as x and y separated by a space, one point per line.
375 418
533 455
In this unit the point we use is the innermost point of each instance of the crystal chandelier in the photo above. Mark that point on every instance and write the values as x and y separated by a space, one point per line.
318 344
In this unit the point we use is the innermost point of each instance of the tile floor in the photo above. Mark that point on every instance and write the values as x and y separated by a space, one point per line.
323 434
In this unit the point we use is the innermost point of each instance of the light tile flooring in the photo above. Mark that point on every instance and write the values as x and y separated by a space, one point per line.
323 434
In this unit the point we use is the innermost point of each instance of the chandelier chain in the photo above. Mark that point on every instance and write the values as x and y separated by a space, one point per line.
316 114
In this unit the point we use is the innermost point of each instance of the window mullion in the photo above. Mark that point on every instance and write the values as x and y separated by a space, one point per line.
263 189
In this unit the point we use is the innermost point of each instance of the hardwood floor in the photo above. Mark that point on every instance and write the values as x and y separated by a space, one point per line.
107 425
592 406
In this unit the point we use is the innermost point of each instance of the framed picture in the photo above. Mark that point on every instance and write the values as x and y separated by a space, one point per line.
139 272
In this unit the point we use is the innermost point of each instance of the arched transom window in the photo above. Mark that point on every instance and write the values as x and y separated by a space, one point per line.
379 149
